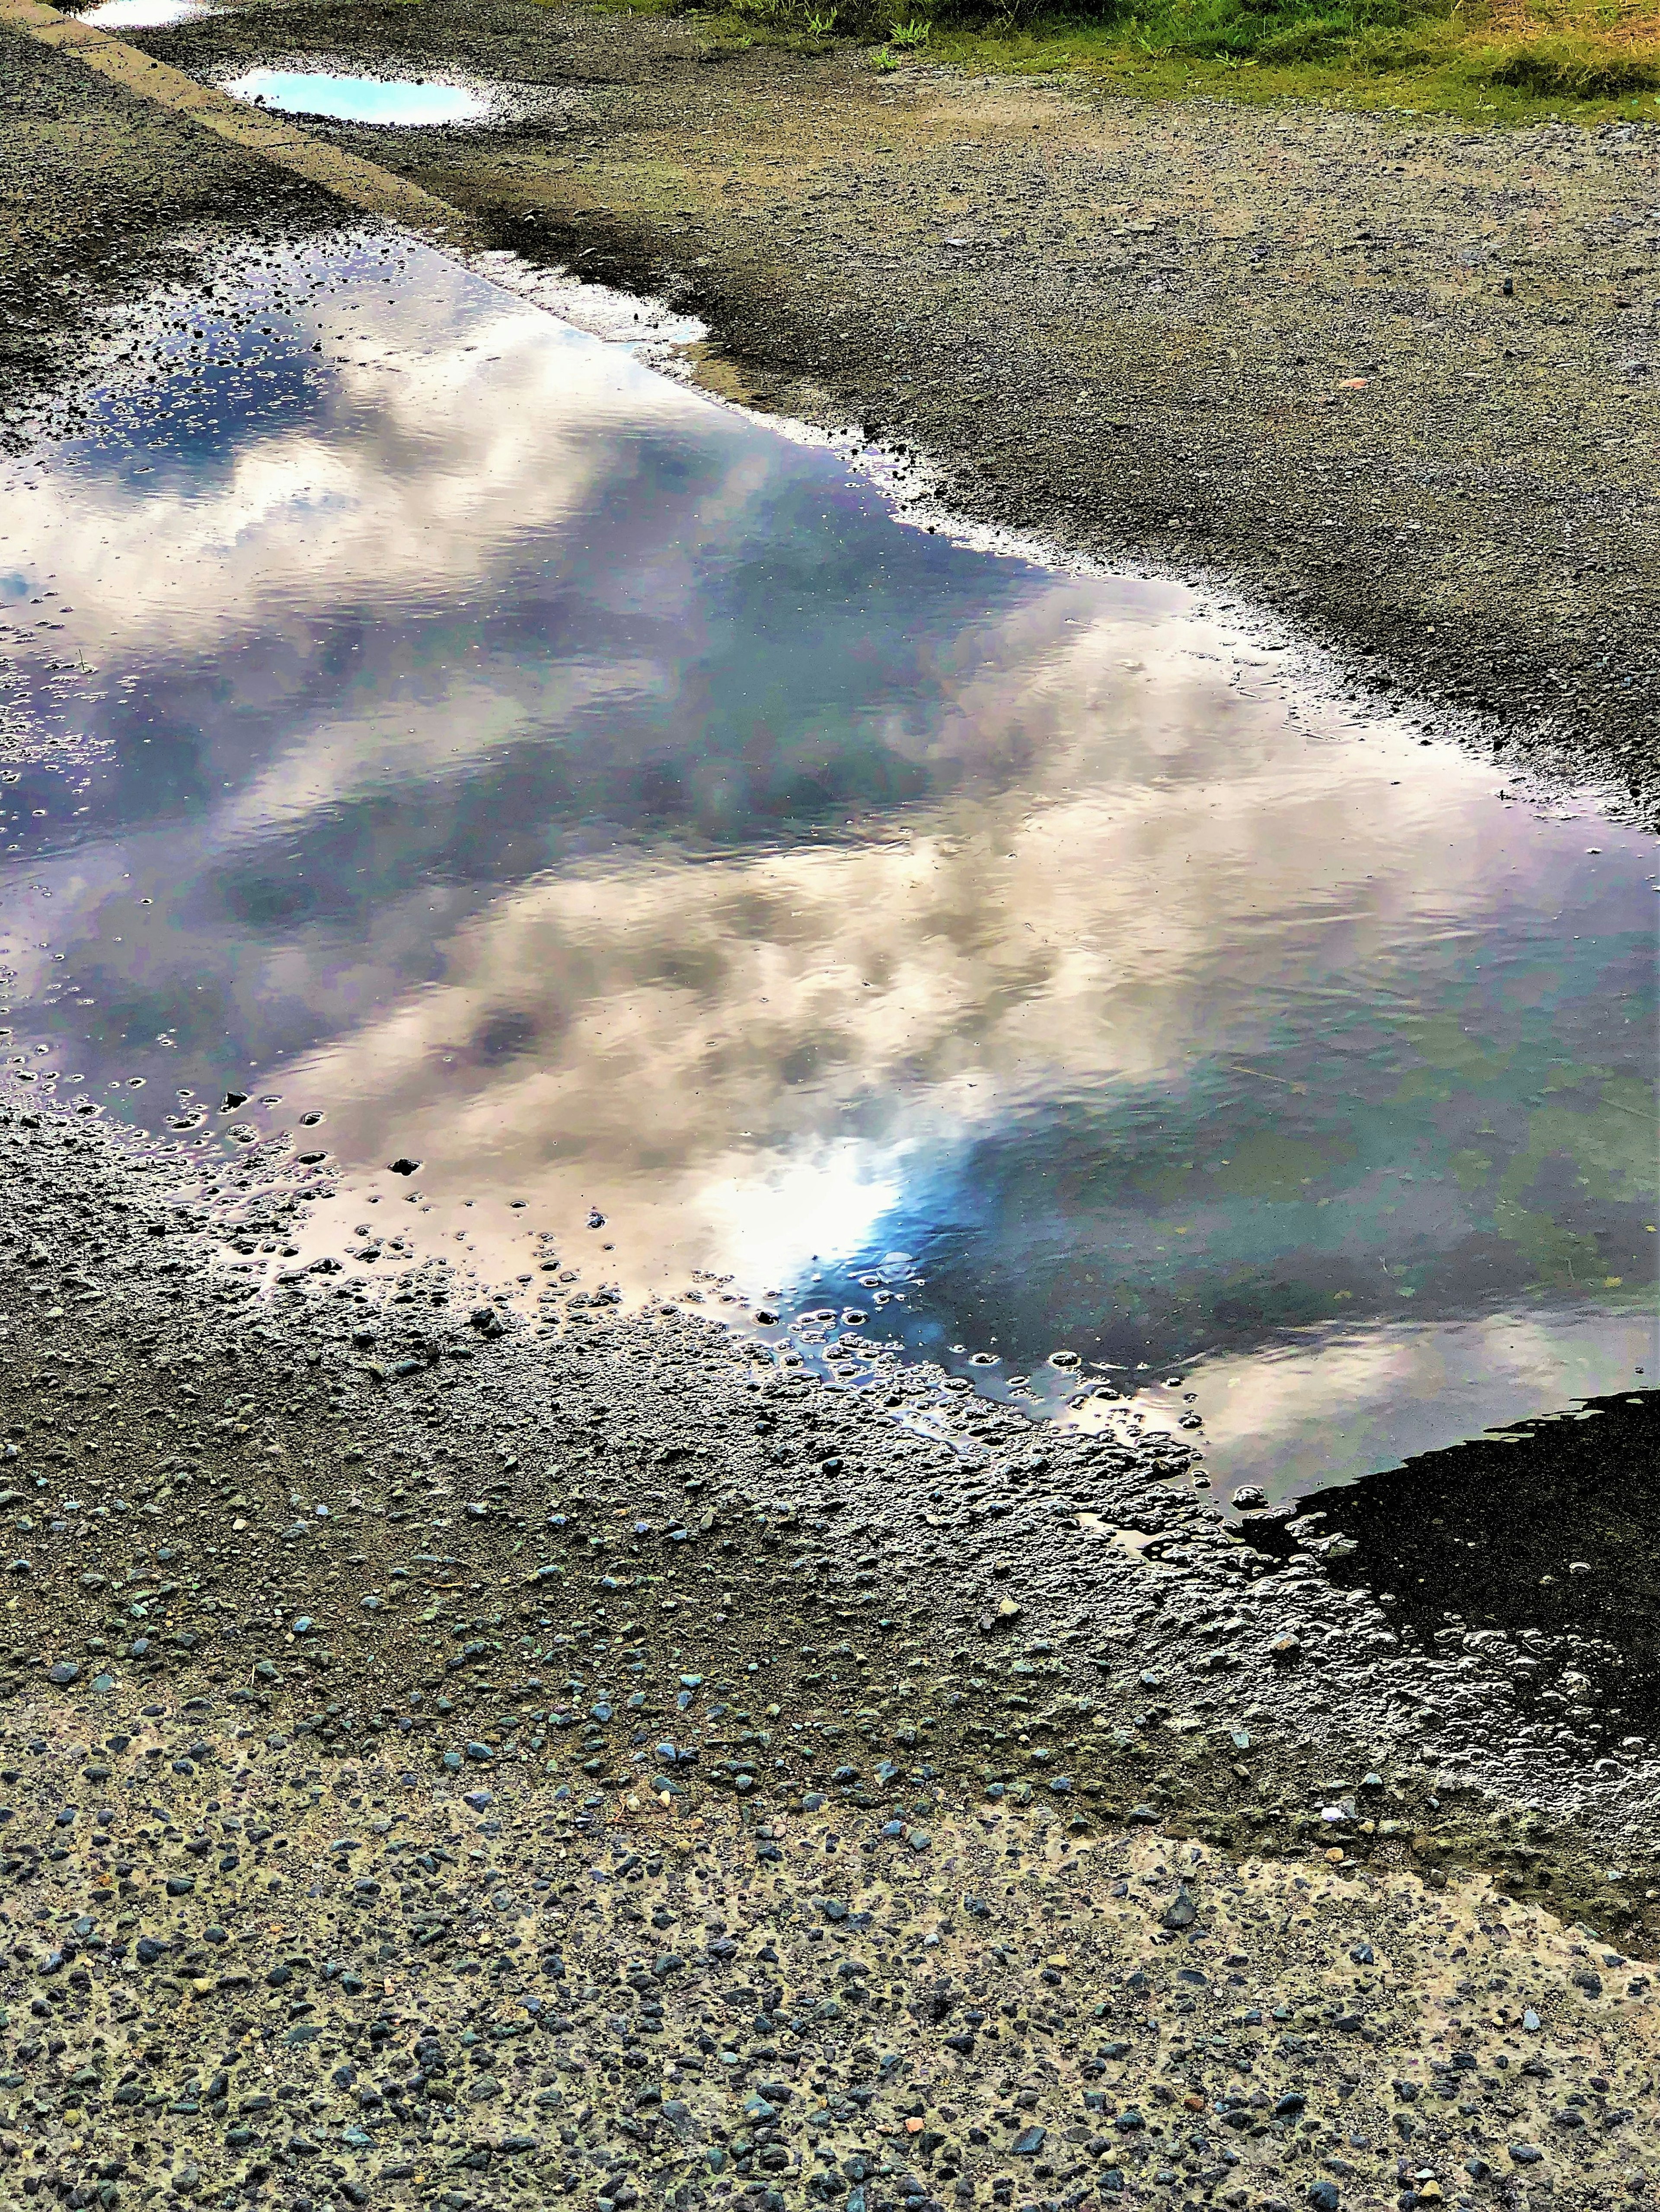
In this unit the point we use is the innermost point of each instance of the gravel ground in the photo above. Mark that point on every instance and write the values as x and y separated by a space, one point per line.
1392 376
379 1571
240 1971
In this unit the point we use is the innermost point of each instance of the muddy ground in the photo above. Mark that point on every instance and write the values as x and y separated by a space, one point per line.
1391 376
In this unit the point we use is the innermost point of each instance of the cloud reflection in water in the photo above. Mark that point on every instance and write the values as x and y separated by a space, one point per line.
573 784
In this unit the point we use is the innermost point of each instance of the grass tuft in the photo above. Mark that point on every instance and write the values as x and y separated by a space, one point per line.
1568 72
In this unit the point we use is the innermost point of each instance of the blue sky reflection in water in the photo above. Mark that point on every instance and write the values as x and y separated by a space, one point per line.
141 15
344 98
547 773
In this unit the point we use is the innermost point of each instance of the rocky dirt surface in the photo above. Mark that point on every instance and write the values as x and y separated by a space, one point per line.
880 1692
242 1971
1391 376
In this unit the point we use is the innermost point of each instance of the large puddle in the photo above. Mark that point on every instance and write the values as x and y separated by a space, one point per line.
424 716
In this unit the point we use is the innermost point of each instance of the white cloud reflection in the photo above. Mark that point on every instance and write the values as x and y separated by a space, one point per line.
884 999
1332 1404
1137 852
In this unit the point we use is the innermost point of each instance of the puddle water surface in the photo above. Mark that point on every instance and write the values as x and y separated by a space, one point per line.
423 715
343 99
144 14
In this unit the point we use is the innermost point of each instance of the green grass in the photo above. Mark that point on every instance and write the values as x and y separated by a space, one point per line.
1350 53
1335 56
1485 62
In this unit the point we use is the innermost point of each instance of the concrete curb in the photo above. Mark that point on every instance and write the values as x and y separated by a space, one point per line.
360 183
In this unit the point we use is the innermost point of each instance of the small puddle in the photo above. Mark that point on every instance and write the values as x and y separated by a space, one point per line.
458 742
341 99
144 14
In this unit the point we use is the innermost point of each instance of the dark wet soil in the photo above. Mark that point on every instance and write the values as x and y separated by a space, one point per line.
1392 376
1548 1528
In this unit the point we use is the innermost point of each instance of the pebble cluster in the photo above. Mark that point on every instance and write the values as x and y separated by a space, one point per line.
235 1972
